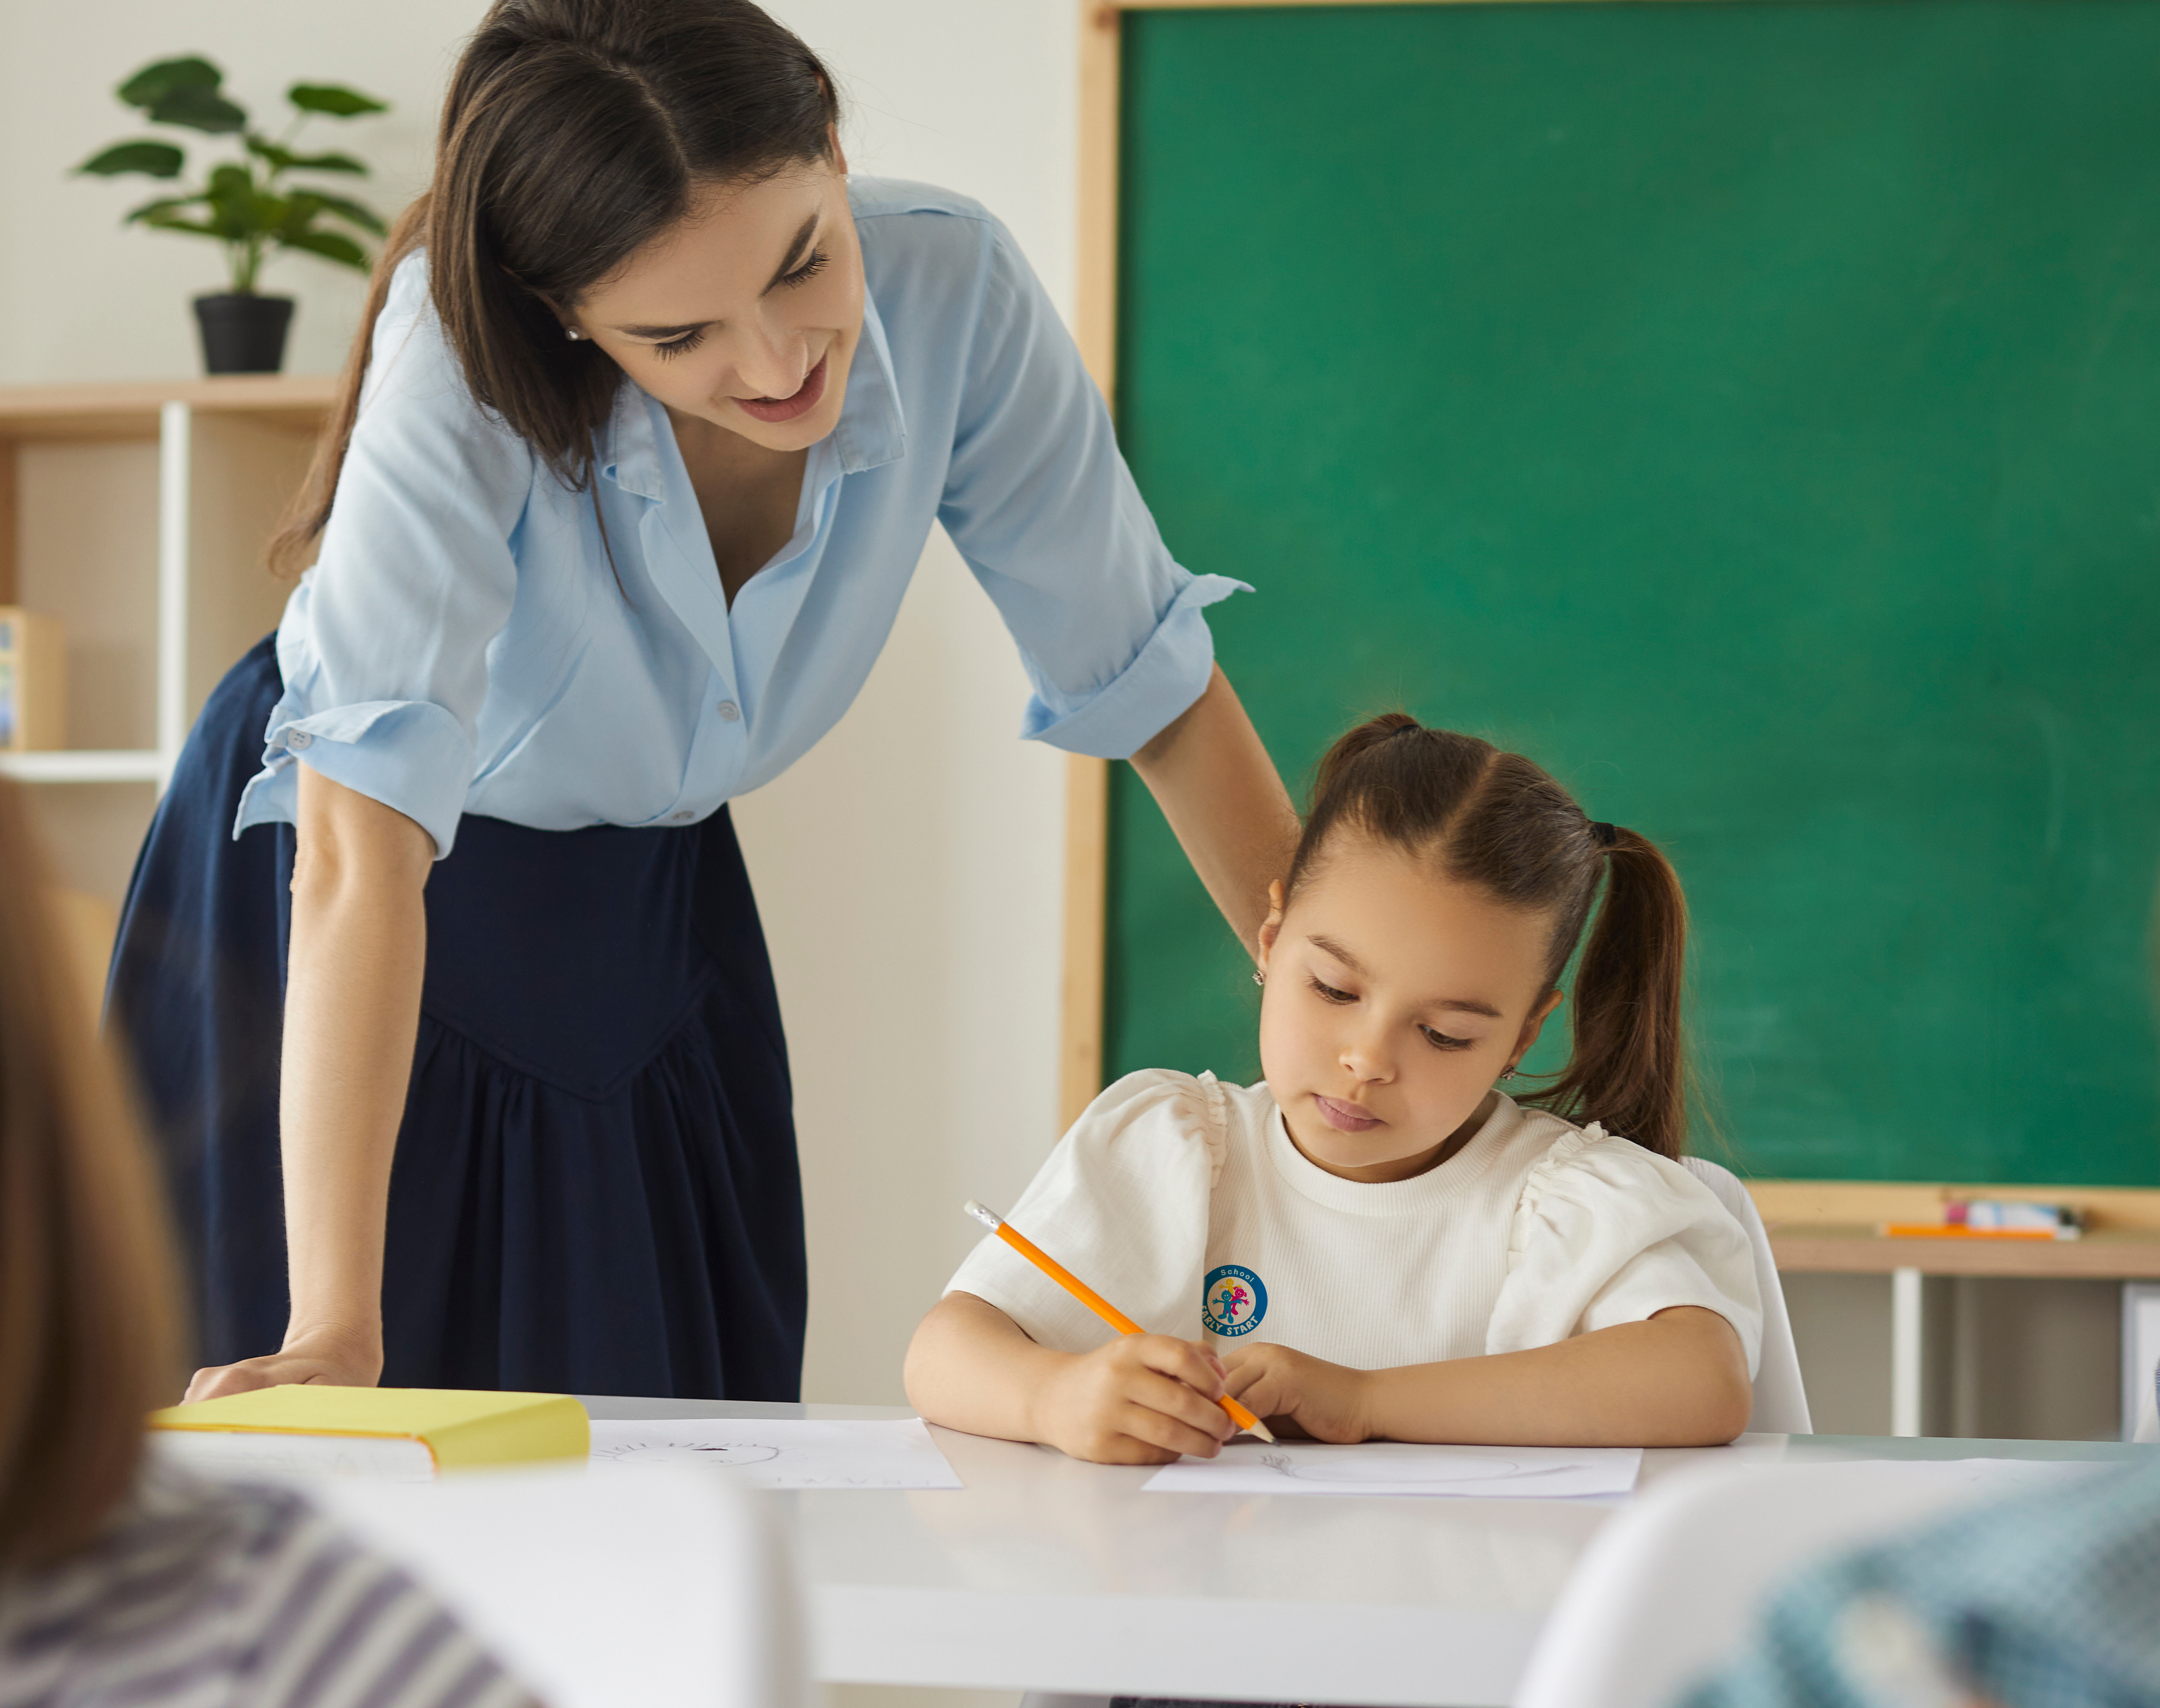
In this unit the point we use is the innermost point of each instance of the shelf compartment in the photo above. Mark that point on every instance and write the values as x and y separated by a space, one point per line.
85 765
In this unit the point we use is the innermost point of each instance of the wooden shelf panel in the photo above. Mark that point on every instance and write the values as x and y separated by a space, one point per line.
295 404
2131 1255
1829 1226
83 765
1865 1203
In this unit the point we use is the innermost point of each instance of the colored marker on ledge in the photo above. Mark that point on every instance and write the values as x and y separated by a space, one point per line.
1095 1302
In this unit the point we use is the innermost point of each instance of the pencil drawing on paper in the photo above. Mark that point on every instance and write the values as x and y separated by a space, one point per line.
781 1452
664 1452
1437 1470
1406 1468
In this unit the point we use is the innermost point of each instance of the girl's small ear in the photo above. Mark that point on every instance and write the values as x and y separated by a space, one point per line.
1271 927
833 148
1536 1024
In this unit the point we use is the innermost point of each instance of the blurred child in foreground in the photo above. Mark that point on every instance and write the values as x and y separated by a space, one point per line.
2049 1601
119 1580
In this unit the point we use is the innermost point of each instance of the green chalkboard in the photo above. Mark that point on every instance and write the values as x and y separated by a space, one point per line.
1751 411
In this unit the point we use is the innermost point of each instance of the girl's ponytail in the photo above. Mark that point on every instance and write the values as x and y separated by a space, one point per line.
1626 1069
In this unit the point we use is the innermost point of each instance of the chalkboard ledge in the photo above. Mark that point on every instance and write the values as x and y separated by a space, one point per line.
1834 1227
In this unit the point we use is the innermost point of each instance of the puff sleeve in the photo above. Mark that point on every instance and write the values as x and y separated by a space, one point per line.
1607 1233
1122 1203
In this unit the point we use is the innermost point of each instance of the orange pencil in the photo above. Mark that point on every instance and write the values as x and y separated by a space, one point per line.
1095 1301
1951 1230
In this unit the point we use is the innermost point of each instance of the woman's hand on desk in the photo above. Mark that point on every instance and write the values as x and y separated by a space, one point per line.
336 1357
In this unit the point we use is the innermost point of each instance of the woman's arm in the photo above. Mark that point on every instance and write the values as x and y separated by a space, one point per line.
1219 790
1142 1399
352 1015
1677 1380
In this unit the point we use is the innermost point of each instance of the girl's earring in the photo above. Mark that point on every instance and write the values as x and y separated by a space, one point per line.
1509 1073
1259 977
571 333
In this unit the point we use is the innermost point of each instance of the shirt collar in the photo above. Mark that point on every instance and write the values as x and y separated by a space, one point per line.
872 430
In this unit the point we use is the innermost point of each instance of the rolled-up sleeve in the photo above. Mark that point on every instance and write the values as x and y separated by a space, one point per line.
1040 503
384 647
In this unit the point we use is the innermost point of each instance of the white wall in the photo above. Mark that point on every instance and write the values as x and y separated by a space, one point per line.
910 868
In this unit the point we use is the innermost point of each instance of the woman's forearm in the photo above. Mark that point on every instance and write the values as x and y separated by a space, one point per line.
1677 1380
1225 802
352 1009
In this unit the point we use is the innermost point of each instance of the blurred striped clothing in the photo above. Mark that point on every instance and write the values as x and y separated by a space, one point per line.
207 1597
2047 1600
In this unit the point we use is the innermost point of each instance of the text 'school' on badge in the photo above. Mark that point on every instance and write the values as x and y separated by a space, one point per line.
1233 1300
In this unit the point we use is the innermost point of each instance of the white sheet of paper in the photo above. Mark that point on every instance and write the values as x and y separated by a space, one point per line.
1403 1468
781 1452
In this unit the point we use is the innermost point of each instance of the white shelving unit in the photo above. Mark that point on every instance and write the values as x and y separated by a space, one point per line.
137 515
89 765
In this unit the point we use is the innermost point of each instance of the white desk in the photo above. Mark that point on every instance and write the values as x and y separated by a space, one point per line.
1046 1574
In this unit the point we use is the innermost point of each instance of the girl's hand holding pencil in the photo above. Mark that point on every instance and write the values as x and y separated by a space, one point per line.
1152 1388
1143 1399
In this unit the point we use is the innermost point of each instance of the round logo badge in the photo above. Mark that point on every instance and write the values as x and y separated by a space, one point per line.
1232 1301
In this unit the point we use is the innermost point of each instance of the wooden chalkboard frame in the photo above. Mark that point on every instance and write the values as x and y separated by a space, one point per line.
1816 1225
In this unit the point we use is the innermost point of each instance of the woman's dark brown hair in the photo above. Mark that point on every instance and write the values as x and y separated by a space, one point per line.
574 133
1498 821
89 1335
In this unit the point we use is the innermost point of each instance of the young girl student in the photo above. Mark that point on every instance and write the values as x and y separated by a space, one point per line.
1377 1242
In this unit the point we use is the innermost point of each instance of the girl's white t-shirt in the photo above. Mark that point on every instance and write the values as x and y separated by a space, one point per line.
1184 1203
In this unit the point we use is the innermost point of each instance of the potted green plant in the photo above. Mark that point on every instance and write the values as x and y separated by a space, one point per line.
247 204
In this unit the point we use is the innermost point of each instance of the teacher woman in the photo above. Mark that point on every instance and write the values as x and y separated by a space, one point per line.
441 968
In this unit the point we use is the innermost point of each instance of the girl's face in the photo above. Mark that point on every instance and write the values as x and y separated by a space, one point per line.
746 313
1394 1000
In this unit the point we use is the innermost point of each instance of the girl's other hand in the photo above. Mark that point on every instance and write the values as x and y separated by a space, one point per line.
335 1357
1143 1399
1323 1400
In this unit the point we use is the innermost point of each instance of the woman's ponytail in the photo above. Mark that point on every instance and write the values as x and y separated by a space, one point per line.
293 547
1626 1069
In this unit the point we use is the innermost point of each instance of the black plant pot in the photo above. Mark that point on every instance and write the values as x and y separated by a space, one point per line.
243 334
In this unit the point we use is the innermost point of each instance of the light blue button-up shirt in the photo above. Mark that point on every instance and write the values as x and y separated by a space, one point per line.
463 644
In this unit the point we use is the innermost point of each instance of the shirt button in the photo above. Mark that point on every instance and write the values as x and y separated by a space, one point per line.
729 711
298 739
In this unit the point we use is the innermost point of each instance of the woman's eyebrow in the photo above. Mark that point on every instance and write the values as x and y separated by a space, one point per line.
804 235
793 258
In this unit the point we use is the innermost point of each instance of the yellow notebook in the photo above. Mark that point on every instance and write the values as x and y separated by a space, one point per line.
409 1433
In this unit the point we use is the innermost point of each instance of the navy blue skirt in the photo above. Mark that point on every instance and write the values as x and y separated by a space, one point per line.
595 1188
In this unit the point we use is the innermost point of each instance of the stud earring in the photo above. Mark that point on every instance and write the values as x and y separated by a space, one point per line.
572 333
1509 1073
1259 977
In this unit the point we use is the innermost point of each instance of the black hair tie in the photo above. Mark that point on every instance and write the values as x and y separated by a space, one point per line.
1606 834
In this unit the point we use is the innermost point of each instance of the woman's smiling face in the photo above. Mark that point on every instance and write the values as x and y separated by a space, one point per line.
1395 998
747 312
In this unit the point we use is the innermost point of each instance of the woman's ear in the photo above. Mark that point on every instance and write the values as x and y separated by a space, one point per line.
833 148
564 318
1271 926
